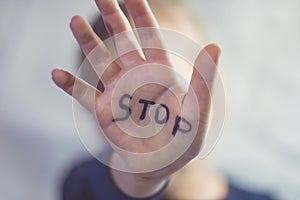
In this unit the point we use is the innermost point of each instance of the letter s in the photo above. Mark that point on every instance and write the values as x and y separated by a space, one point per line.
123 106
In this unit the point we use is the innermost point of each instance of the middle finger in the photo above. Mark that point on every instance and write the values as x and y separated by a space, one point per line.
116 23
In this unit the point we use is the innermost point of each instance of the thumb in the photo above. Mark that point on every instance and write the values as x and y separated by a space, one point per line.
205 68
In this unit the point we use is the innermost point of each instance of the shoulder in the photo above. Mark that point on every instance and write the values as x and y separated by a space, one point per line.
82 180
236 193
86 168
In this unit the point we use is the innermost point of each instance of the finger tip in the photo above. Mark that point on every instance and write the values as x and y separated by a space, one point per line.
214 50
59 77
76 21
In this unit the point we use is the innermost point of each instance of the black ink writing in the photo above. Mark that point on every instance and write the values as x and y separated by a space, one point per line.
181 124
124 107
146 103
166 118
177 127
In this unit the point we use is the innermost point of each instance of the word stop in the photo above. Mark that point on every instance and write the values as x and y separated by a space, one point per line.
158 117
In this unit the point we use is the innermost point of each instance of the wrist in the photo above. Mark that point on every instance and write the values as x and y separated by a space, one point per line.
136 185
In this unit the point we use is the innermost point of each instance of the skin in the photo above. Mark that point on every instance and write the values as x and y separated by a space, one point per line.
137 185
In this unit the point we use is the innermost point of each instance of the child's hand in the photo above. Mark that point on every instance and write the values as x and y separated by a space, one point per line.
139 118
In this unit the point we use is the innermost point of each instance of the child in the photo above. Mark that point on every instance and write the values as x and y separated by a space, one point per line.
93 180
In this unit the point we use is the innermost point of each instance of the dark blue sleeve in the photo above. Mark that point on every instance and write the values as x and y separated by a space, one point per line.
235 193
92 181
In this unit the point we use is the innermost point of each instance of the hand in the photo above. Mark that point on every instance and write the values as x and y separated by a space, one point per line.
137 104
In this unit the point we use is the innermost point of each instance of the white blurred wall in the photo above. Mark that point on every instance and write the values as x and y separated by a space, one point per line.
38 141
260 146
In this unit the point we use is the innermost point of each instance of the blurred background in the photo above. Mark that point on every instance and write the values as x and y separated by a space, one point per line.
260 145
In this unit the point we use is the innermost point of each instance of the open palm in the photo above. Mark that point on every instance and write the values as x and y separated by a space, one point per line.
136 117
